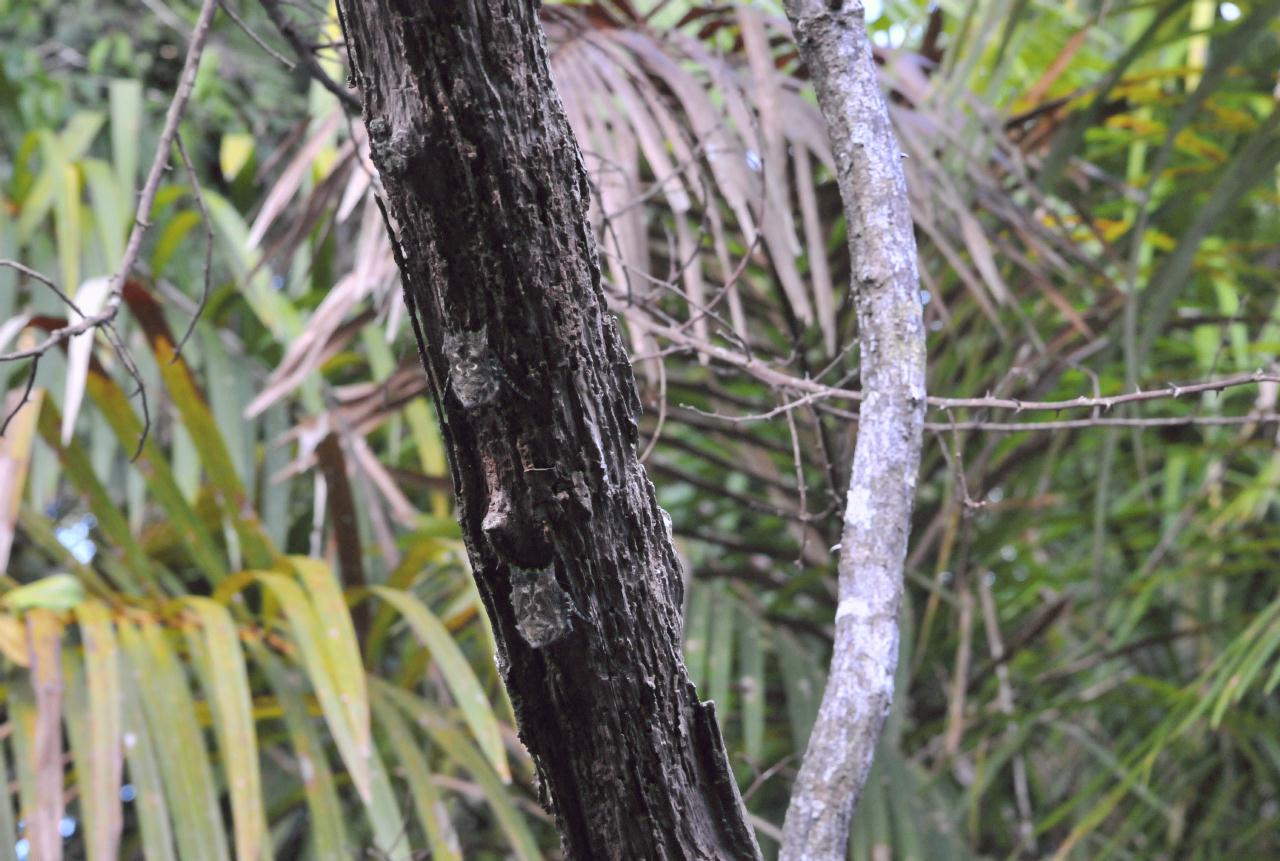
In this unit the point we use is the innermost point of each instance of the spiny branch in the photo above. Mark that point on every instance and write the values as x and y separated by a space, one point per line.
811 391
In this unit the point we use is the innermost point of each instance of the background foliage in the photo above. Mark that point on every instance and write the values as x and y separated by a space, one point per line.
266 613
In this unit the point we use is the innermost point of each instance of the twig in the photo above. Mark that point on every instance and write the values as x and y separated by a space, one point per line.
257 40
26 394
160 164
815 391
208 247
304 55
43 279
1075 424
801 488
1106 403
141 223
131 368
662 411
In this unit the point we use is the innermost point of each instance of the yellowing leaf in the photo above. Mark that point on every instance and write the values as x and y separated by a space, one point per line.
15 460
101 772
226 682
55 592
171 720
334 694
234 153
339 641
44 638
13 640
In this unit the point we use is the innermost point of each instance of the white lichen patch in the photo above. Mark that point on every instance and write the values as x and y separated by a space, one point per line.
858 512
853 606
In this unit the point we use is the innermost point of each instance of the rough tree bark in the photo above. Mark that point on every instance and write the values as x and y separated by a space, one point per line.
487 201
832 38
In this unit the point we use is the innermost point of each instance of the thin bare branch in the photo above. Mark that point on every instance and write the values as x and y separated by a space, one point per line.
26 394
813 390
141 224
43 279
257 40
208 248
1080 424
303 52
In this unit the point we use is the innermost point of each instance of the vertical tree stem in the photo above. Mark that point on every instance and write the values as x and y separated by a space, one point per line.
486 201
833 43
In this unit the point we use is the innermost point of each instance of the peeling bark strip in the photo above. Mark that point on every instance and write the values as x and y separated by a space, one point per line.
538 408
832 38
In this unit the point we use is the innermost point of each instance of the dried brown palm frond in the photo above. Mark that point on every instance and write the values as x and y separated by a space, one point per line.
710 170
720 229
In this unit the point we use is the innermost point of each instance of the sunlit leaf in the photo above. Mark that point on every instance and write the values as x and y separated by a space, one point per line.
234 152
339 695
55 592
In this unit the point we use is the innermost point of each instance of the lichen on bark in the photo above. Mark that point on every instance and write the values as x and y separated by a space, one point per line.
833 43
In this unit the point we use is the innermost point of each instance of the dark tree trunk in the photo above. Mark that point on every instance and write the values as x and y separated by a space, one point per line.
487 201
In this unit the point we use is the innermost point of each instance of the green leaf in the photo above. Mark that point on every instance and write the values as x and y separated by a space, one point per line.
171 720
21 704
697 633
226 682
332 658
8 826
78 469
66 225
199 423
720 653
390 832
156 472
477 712
234 152
751 673
144 774
55 592
327 831
336 693
171 237
100 762
458 748
79 134
124 98
803 692
442 839
111 210
272 307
